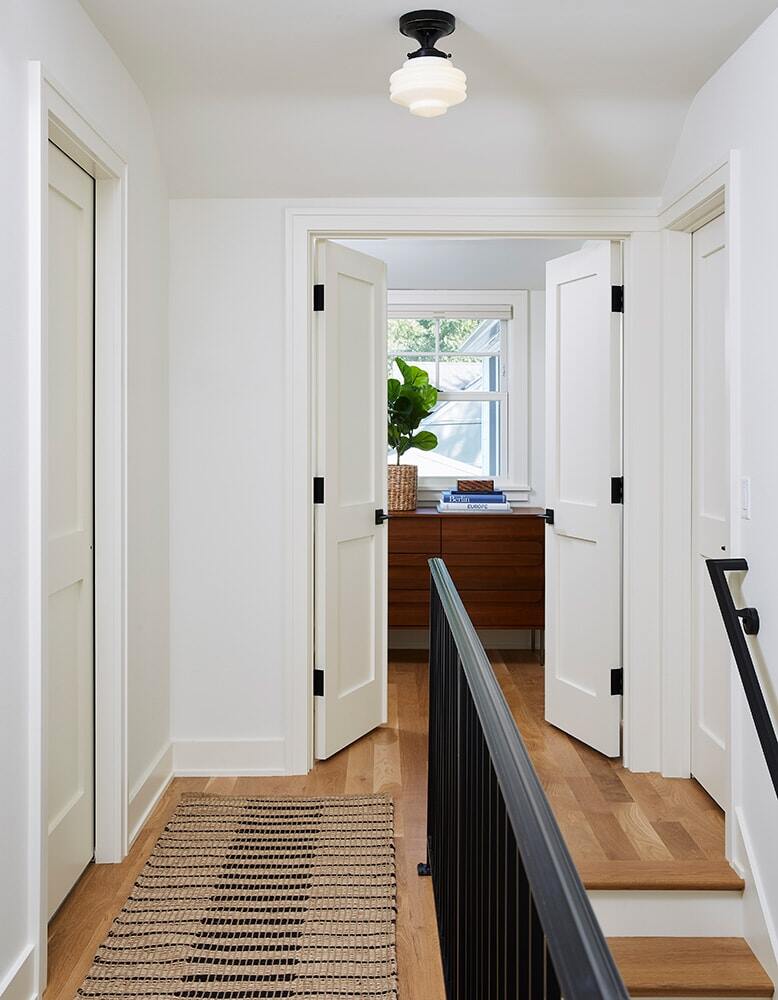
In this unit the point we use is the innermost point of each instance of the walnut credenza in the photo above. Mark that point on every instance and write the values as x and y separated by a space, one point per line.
495 560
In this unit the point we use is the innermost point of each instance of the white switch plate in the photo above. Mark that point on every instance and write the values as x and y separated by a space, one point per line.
745 498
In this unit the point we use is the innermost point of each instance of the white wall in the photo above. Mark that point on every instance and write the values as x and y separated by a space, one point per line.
735 110
227 449
58 33
472 263
227 452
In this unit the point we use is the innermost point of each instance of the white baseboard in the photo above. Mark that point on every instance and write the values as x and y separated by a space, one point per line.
19 982
147 791
758 926
492 638
232 757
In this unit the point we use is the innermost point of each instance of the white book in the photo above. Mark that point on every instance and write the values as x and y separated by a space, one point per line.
474 508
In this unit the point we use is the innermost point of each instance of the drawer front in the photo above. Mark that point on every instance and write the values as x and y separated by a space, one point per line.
495 577
505 614
415 534
408 572
409 609
498 533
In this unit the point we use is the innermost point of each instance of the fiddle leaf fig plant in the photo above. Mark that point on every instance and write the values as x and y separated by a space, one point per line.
410 401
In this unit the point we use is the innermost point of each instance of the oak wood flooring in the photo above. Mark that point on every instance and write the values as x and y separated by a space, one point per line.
624 830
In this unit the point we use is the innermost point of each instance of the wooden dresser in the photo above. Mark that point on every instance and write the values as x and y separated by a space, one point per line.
495 560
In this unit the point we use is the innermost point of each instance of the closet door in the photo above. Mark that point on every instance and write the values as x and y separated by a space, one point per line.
69 640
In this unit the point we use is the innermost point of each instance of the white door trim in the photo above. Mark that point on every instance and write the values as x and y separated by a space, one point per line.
708 197
596 218
53 115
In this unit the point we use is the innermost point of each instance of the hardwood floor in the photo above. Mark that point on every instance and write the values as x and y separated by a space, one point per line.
624 830
621 828
393 759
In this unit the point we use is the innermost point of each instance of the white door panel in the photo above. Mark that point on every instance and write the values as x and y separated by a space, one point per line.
711 509
583 453
350 549
70 677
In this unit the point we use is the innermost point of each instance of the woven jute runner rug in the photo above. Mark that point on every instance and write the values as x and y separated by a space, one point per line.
265 898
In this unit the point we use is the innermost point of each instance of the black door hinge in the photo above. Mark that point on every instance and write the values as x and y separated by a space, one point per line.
617 298
318 682
548 517
617 489
318 298
617 680
318 489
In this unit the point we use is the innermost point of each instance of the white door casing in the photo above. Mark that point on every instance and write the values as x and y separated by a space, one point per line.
710 508
69 500
350 589
583 454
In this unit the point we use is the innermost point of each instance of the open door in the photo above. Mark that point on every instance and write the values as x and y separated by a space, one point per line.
350 537
583 466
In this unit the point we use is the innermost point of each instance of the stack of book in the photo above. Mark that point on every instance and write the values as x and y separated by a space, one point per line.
460 502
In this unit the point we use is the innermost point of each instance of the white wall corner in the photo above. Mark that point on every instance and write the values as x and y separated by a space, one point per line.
232 757
18 983
759 923
147 791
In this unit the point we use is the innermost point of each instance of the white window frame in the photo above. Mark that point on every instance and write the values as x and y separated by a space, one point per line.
512 306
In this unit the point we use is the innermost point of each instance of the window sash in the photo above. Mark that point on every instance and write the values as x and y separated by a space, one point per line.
512 308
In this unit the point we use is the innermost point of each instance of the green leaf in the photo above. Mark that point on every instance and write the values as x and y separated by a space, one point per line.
412 375
392 389
424 441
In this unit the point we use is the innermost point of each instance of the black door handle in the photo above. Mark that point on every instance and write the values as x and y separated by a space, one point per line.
380 517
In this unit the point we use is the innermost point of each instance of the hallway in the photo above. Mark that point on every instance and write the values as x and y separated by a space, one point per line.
623 830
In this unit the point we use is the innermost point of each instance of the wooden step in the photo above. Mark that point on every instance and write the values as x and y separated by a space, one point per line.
689 967
694 875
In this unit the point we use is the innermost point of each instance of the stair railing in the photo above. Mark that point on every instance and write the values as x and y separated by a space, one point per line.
765 731
514 919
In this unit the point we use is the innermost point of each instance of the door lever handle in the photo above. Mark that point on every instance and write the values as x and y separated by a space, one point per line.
380 517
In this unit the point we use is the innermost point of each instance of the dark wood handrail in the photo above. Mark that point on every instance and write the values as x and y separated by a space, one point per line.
482 779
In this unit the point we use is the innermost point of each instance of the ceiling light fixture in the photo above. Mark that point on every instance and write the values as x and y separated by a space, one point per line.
428 84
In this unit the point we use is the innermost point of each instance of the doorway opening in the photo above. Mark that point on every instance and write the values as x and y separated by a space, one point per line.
540 434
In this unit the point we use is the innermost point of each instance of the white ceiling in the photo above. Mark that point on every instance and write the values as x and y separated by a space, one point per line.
465 263
566 97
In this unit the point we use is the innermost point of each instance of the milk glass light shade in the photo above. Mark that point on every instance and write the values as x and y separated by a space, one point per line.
428 86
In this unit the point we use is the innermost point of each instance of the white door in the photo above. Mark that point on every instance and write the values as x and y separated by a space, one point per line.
70 676
583 454
710 509
350 548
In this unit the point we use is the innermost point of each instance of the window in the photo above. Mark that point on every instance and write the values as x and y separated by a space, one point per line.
465 342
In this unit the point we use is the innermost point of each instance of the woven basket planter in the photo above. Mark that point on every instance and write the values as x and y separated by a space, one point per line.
402 483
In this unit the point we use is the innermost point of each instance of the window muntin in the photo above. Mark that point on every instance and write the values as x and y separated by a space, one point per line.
465 357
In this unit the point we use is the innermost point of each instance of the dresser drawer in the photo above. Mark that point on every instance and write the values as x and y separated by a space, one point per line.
408 571
415 534
491 533
496 576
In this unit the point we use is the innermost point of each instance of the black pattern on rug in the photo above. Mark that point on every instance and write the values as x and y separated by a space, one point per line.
259 898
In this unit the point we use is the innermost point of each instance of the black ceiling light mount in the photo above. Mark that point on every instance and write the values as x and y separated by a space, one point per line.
428 83
427 27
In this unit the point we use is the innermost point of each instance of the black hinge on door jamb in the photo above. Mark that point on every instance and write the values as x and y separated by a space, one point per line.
617 489
318 682
318 489
318 298
548 517
617 298
617 680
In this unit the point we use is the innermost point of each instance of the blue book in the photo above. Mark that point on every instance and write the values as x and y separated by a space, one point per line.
454 496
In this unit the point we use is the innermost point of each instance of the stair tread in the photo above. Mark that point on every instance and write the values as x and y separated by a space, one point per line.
708 875
689 967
